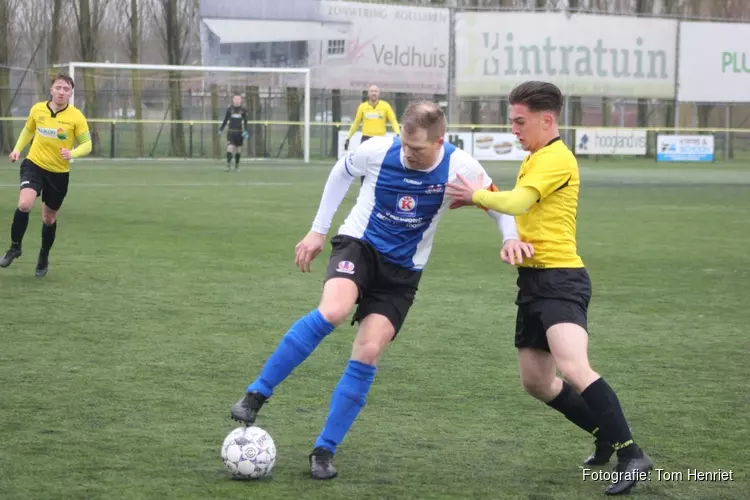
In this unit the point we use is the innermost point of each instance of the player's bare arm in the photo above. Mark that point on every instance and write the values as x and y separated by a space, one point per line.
514 251
306 250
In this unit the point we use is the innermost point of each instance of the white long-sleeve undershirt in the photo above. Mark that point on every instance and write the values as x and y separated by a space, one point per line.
337 185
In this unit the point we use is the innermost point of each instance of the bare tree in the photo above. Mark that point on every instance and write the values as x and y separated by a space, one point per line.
131 12
53 49
8 38
175 19
36 19
90 15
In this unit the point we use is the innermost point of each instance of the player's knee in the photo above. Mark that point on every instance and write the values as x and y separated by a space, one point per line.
579 375
26 200
537 387
335 314
25 205
367 352
230 149
49 218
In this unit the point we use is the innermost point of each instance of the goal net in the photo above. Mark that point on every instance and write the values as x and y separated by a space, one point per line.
163 111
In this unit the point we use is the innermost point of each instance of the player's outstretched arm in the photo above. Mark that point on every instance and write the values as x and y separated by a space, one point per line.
337 185
472 178
515 202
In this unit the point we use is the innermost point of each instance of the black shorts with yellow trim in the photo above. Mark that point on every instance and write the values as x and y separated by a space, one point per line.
547 297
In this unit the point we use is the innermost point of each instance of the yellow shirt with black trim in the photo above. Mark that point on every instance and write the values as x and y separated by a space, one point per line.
550 223
53 132
373 119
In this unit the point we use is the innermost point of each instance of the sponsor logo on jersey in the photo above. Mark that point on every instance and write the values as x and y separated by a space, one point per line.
61 134
412 181
434 188
406 204
345 267
47 132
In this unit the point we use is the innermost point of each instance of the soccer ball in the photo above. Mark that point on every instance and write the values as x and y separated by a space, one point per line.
248 453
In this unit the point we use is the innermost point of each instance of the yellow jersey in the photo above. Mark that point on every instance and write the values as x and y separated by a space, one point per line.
53 132
373 119
550 224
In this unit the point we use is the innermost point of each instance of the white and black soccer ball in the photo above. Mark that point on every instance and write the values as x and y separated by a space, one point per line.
248 453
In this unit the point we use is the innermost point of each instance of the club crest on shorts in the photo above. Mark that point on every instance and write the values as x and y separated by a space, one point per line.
406 204
345 267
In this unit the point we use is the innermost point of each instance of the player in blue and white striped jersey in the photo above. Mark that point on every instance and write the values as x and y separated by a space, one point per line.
376 262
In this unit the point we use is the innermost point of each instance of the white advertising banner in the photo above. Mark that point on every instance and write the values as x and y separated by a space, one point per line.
481 145
714 63
584 55
682 148
398 48
462 140
610 141
497 146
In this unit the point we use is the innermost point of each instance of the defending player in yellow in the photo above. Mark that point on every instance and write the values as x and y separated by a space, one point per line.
373 114
53 125
554 287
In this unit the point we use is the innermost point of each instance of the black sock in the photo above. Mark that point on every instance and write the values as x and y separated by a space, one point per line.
18 228
48 236
229 158
575 409
236 158
605 407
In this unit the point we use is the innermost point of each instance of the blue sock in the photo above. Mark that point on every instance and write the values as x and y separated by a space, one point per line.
348 398
298 343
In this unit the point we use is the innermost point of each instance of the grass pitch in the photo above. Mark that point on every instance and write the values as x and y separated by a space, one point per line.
171 282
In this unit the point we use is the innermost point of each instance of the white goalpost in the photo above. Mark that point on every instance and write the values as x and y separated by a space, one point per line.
72 66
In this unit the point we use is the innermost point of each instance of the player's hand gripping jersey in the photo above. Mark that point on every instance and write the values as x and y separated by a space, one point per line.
398 208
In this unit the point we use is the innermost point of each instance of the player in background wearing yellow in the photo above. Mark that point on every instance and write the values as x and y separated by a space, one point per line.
554 287
373 114
53 125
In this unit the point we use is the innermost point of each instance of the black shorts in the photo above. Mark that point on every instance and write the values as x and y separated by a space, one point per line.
235 138
547 297
51 186
384 288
